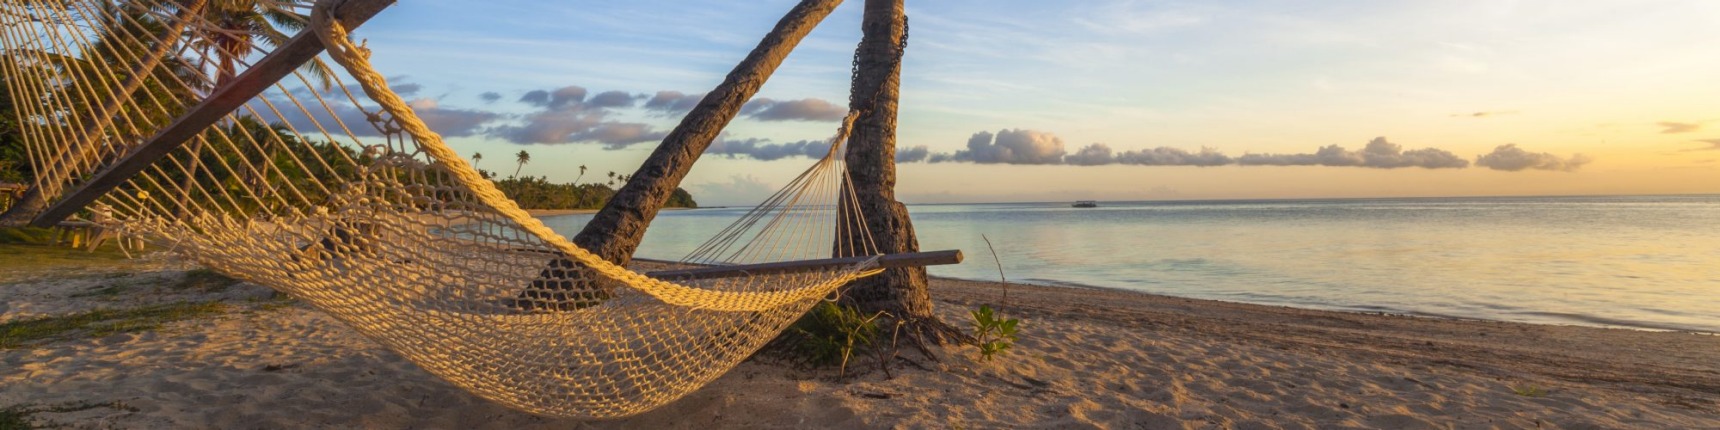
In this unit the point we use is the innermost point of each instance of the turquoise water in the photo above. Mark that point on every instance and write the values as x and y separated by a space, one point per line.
1648 262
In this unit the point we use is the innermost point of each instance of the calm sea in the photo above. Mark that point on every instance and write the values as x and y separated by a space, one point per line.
1647 262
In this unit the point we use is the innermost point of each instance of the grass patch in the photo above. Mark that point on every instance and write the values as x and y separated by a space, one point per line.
99 323
204 280
17 417
28 260
26 236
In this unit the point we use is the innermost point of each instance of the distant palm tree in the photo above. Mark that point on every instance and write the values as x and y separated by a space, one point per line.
611 177
476 157
581 174
523 157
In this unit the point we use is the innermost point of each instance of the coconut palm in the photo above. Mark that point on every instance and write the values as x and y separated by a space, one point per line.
522 158
581 174
476 157
241 26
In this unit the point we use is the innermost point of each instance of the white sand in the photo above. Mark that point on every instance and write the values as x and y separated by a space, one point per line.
1088 359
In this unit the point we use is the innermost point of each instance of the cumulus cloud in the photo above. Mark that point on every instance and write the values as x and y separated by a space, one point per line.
572 96
617 135
1012 146
912 154
1167 156
490 96
1090 155
763 149
1669 127
764 109
673 102
611 99
553 126
1379 154
1510 158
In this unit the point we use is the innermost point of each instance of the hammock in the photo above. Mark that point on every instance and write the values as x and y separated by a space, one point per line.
383 226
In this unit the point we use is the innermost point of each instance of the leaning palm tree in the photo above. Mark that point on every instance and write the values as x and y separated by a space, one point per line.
581 174
522 158
476 157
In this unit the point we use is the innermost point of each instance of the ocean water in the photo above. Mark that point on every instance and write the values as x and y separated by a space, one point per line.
1644 262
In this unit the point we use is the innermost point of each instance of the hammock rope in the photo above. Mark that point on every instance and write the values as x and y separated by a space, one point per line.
351 203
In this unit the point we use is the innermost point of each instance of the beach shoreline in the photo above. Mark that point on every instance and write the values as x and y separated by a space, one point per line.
1088 358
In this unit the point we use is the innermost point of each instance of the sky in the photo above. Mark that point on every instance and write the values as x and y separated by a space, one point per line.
1011 100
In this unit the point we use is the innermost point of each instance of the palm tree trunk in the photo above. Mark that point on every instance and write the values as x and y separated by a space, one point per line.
33 202
614 233
871 158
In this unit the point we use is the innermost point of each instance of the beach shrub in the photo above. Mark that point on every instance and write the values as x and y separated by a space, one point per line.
831 334
993 333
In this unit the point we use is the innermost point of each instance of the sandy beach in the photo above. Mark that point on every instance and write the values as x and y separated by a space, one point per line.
1088 358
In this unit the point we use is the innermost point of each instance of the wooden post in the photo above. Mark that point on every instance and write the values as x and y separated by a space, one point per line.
271 69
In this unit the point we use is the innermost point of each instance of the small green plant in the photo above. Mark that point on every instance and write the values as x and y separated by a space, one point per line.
831 334
1529 390
992 333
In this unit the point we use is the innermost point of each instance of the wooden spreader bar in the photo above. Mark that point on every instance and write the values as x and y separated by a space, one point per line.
909 259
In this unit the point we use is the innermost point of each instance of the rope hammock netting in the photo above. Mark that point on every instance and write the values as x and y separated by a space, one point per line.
382 225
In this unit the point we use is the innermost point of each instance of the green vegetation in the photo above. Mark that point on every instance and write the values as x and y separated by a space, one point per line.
17 417
99 323
992 333
539 193
831 334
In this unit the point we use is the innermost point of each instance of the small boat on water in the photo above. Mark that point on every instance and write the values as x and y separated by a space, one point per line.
1085 204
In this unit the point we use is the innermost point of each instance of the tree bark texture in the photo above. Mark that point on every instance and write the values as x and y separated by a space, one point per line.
871 159
614 233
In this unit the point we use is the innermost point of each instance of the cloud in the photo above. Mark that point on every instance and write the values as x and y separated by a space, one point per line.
452 122
616 135
1090 155
1713 145
1510 158
1012 146
1379 154
552 126
763 149
673 102
490 97
611 99
1167 156
913 154
1668 127
764 109
565 97
406 90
